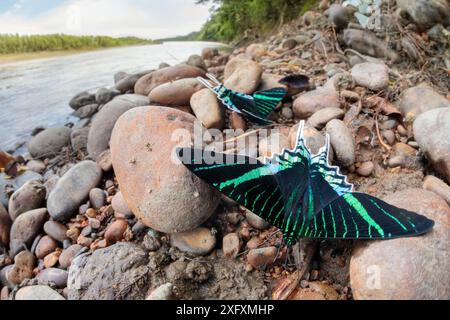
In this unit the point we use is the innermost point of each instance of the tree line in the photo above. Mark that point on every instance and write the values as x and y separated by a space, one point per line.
14 43
232 18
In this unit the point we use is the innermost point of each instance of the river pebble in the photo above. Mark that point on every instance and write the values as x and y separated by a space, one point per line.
207 109
24 263
320 118
73 189
49 142
29 197
255 221
175 93
25 228
262 257
56 230
116 231
342 142
164 292
34 293
53 276
45 246
5 226
147 83
66 257
231 245
198 242
82 99
97 198
310 102
373 76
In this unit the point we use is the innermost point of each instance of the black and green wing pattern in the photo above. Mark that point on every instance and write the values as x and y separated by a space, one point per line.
303 195
255 108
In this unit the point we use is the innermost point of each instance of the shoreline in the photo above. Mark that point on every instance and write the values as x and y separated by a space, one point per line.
28 56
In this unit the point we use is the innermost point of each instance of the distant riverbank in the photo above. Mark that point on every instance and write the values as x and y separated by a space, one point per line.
15 57
25 47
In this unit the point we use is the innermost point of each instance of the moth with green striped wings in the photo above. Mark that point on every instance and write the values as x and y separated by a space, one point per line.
255 108
303 195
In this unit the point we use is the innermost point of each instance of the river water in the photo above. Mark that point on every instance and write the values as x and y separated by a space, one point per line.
37 92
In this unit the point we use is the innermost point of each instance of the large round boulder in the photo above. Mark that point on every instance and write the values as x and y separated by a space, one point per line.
104 121
159 190
407 268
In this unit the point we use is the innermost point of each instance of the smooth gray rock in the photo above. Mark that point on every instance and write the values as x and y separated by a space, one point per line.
342 142
86 111
82 99
49 142
54 276
103 95
14 184
104 121
29 197
73 189
25 228
367 43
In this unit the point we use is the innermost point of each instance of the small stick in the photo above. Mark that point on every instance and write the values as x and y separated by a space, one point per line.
388 148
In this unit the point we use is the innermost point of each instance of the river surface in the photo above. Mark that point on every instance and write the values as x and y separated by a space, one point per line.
36 93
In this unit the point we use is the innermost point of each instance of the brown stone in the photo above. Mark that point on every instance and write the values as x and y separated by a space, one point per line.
198 242
159 190
150 81
176 93
414 268
116 231
231 245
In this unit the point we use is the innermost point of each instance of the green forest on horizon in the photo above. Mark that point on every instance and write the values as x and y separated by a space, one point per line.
15 44
232 18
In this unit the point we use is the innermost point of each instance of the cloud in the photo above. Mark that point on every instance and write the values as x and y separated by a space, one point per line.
150 19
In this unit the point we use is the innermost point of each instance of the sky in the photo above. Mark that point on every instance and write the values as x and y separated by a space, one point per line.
143 18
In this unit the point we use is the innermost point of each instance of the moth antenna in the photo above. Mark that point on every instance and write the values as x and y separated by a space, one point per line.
206 84
213 79
327 143
300 134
